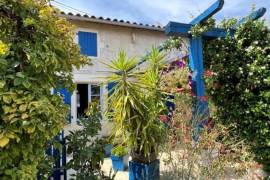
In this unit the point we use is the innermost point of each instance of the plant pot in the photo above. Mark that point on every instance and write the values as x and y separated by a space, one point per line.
142 171
141 158
107 149
119 163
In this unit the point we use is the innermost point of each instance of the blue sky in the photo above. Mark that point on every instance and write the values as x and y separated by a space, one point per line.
160 11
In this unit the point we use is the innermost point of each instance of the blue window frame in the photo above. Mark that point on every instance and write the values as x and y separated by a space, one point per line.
88 43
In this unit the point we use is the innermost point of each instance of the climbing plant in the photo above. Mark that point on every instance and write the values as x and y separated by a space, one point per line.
240 83
37 53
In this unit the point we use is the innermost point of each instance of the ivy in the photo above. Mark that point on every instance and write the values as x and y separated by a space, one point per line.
37 53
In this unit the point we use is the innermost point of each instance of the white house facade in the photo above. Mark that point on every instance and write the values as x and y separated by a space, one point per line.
101 39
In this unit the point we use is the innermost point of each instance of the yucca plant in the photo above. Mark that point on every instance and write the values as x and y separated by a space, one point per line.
135 104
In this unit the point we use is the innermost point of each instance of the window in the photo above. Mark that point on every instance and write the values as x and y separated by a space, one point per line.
95 93
88 43
87 93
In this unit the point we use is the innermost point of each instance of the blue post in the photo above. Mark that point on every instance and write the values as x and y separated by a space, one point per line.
200 106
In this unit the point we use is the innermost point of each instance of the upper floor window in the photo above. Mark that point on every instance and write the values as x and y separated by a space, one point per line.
88 43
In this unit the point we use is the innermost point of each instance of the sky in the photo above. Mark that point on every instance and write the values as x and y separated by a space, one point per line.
159 12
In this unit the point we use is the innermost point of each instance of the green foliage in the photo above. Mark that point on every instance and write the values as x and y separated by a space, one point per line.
198 29
136 103
86 148
119 151
240 86
37 53
173 43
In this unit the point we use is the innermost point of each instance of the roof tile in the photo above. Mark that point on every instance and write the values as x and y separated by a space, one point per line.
157 27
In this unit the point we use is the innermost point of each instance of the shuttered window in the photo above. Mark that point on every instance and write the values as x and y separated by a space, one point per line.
88 43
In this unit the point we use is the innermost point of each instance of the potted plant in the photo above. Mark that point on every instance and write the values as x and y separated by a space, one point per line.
119 156
135 104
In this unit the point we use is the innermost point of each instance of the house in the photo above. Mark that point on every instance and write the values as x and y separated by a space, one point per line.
101 39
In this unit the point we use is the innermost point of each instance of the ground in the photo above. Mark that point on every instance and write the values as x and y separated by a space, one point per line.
254 174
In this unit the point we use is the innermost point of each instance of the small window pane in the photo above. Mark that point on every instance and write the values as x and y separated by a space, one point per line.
95 90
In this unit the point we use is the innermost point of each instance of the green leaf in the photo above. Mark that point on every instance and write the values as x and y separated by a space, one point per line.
20 74
17 81
30 129
26 84
4 141
24 116
23 107
7 99
2 84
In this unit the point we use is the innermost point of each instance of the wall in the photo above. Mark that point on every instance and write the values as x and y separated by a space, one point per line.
111 39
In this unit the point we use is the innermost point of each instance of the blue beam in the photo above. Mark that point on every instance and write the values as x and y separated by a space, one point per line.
253 16
214 8
177 29
181 29
217 32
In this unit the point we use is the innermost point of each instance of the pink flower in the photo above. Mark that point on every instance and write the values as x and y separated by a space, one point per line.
180 90
203 98
208 73
163 118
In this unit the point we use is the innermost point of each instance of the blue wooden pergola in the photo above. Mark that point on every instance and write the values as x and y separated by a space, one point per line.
196 46
177 29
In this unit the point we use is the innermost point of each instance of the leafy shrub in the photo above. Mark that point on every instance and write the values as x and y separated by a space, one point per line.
86 148
37 53
119 151
241 82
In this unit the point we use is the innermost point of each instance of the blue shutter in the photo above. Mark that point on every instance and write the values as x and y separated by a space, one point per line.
110 88
67 98
66 95
88 43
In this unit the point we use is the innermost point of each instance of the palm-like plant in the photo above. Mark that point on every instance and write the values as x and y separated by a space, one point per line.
135 104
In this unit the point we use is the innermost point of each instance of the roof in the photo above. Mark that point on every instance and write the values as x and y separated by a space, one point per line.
102 20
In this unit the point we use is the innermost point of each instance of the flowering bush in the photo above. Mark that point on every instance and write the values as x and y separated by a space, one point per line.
36 55
213 152
240 83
